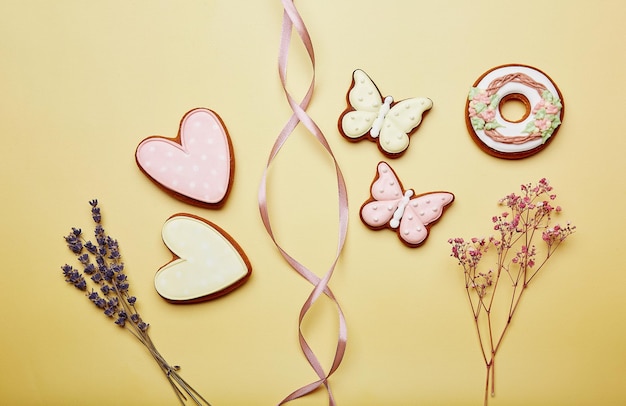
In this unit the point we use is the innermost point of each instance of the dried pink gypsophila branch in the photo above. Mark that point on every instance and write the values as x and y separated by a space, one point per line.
517 259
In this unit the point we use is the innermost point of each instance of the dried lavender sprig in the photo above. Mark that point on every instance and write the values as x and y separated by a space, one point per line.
103 272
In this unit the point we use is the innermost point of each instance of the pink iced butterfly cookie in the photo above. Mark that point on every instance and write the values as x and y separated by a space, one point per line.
197 166
410 215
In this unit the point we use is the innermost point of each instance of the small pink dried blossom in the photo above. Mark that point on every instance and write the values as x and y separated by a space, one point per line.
518 259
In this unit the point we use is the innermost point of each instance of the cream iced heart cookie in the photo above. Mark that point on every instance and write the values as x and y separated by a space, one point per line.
370 116
513 138
410 215
207 262
197 166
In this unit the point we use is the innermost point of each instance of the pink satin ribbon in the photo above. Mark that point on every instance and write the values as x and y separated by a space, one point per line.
291 20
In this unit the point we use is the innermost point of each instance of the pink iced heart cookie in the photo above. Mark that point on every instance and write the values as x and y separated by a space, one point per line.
208 263
197 166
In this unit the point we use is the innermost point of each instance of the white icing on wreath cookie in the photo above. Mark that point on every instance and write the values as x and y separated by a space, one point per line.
507 138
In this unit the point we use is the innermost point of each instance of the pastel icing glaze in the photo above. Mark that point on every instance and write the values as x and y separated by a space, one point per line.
389 206
505 138
197 165
370 116
207 262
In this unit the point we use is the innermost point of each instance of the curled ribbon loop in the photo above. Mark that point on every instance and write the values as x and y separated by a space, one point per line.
292 20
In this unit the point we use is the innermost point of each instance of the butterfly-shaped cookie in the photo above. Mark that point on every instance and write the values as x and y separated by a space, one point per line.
370 116
390 206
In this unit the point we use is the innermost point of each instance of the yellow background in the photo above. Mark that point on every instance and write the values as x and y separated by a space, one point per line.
83 82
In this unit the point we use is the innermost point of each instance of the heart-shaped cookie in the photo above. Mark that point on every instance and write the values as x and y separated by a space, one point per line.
197 166
207 262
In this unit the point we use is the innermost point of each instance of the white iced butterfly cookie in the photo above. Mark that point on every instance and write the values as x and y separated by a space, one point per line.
370 116
207 262
390 206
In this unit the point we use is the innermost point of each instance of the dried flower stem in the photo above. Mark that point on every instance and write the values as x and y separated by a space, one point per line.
516 256
103 265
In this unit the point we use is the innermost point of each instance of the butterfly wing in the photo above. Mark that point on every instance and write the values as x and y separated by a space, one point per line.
421 212
365 101
386 194
401 121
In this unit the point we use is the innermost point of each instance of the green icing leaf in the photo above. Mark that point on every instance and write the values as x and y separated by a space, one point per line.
558 104
492 125
547 96
480 107
493 100
473 92
546 134
541 114
530 128
478 123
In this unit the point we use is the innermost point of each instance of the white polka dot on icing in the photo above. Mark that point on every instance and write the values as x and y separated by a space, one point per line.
202 142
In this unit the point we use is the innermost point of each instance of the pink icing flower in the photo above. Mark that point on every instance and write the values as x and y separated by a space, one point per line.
472 111
551 109
481 98
487 115
543 124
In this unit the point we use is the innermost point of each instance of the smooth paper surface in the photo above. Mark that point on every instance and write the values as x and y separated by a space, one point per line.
83 82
